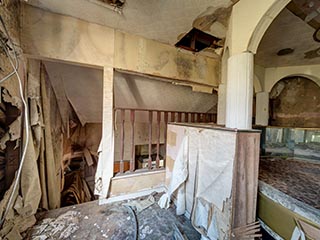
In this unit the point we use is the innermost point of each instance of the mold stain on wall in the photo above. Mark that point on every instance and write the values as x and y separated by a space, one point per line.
295 102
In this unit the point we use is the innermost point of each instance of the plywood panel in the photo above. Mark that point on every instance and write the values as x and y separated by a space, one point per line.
136 182
245 179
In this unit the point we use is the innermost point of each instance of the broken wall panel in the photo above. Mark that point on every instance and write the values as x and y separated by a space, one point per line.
10 100
26 204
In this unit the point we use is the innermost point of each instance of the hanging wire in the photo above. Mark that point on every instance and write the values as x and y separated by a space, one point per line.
26 118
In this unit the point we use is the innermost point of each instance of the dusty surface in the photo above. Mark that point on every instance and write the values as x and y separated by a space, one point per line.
110 221
297 178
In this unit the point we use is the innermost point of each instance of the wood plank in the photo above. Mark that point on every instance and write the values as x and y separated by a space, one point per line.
88 157
245 182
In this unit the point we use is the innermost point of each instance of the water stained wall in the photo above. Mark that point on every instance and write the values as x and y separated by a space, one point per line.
295 102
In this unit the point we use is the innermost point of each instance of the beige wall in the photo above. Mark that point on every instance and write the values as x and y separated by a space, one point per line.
58 37
273 75
249 21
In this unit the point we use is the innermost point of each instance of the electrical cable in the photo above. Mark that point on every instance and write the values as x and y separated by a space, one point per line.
26 119
136 231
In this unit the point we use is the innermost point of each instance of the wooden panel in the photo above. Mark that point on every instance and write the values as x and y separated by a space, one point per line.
245 179
136 182
116 166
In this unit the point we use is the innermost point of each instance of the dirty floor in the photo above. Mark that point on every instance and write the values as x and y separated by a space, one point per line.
299 179
112 221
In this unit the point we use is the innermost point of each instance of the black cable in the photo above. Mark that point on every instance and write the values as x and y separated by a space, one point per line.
136 232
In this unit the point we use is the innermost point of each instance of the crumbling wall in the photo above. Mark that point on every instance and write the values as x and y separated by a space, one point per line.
295 102
10 102
19 204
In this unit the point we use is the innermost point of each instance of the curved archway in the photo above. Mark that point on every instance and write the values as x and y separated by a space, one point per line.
264 23
295 102
278 74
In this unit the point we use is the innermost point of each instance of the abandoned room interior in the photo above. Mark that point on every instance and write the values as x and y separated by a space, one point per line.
181 119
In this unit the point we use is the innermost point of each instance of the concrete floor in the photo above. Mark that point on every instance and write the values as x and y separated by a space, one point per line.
110 221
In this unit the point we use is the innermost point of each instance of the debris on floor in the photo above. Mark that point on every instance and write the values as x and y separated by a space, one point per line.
114 221
60 228
140 205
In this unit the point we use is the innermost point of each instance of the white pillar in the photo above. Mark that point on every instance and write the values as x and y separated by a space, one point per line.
262 108
240 91
221 118
104 171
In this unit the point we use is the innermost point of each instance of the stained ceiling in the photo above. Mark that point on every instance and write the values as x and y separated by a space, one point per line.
289 31
162 20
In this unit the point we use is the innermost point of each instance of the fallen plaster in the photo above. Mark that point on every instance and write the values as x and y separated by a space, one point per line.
13 134
113 221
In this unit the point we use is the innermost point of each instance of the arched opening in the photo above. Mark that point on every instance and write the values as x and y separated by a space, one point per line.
295 102
287 63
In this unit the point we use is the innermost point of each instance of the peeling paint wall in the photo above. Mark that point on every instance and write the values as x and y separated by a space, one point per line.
295 102
138 54
49 35
54 36
10 101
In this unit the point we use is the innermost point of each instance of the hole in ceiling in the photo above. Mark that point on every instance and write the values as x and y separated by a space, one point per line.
114 3
197 40
285 51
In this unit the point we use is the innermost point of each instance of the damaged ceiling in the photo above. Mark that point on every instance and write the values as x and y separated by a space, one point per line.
288 31
165 21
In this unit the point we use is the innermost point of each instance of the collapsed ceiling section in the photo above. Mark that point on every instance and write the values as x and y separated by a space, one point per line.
197 40
114 3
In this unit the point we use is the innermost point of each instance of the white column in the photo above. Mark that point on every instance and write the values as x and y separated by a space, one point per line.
262 108
104 171
221 118
240 91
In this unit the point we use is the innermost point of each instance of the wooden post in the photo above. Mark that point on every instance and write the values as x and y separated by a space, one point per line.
122 140
186 117
150 140
192 117
158 139
198 117
165 133
179 116
173 116
132 161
